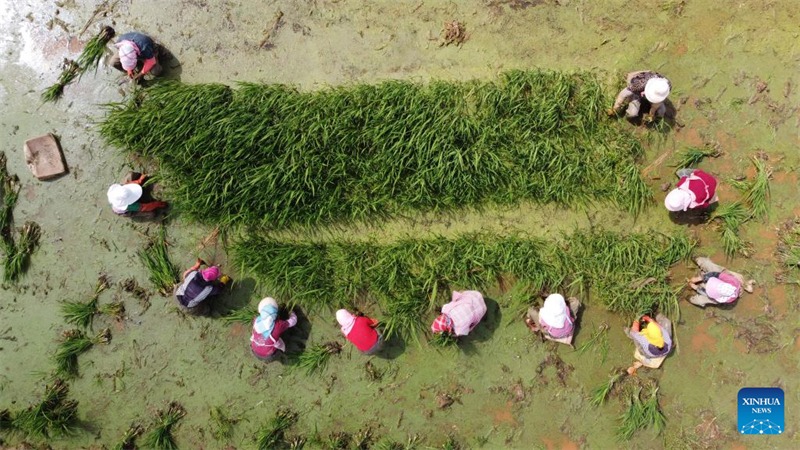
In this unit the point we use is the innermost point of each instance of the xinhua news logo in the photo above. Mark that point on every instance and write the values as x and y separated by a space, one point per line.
761 410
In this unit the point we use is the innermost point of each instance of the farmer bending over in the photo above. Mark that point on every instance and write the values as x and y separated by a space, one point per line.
360 330
125 198
461 315
696 191
716 285
554 319
653 342
137 55
198 286
645 90
266 342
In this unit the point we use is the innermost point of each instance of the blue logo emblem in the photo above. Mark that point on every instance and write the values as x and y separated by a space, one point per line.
761 410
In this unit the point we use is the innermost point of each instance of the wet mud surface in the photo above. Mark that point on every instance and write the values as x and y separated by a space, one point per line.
732 67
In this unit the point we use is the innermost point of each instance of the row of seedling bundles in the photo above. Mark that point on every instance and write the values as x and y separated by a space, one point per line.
409 279
266 154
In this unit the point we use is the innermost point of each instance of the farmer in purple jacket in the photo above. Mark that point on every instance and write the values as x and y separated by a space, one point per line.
555 320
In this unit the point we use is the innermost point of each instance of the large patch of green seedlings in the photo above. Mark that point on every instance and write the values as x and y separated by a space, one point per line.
265 154
627 273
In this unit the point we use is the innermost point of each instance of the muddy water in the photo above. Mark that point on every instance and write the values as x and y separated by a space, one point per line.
715 53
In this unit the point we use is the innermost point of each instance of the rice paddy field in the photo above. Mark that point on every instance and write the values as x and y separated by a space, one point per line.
378 155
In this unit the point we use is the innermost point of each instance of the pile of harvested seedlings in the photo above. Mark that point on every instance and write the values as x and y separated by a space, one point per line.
626 273
272 155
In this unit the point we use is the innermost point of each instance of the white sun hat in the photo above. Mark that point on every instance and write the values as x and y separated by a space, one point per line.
678 200
123 195
554 311
656 90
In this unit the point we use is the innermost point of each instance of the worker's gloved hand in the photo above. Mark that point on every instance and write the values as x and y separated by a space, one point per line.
647 118
647 318
635 326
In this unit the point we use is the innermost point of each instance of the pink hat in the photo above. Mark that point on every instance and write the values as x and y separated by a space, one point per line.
127 54
346 320
210 274
442 324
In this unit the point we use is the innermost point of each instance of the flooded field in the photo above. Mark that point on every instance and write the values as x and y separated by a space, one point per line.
732 67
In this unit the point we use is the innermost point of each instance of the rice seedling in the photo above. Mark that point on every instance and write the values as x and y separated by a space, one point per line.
155 257
160 436
730 217
10 188
789 243
73 344
241 315
692 156
69 71
443 340
315 358
115 310
600 393
128 441
598 341
18 254
337 440
94 50
653 416
55 415
311 158
271 433
633 419
82 314
222 424
756 196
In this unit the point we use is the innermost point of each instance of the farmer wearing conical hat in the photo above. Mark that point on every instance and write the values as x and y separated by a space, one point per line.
461 315
137 55
653 342
360 330
198 287
696 191
125 199
716 285
555 320
645 90
266 342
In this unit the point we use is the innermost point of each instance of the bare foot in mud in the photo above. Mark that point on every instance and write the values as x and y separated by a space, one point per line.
632 369
749 286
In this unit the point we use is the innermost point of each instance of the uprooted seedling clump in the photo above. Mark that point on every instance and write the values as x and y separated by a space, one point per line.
131 286
562 369
454 32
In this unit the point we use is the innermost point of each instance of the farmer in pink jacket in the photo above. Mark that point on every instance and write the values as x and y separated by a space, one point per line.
461 315
716 285
555 320
266 342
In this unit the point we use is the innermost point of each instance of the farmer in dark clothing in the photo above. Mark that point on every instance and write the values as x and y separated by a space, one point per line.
137 55
198 286
645 89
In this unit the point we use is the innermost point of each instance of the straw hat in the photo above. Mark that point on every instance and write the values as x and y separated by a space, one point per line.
678 200
554 311
656 90
123 195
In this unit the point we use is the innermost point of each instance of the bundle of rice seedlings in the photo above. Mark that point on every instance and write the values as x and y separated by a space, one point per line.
155 257
337 440
82 314
653 416
295 158
597 341
730 217
296 442
73 344
362 439
18 254
10 189
632 419
756 194
69 71
270 435
55 415
789 243
222 429
600 393
94 50
160 436
315 358
128 441
241 315
115 310
692 156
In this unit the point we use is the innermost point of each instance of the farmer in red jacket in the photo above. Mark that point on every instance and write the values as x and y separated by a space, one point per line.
360 330
696 191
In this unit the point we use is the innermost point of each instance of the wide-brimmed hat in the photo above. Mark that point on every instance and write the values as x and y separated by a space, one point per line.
652 332
656 90
554 311
127 54
678 200
123 195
